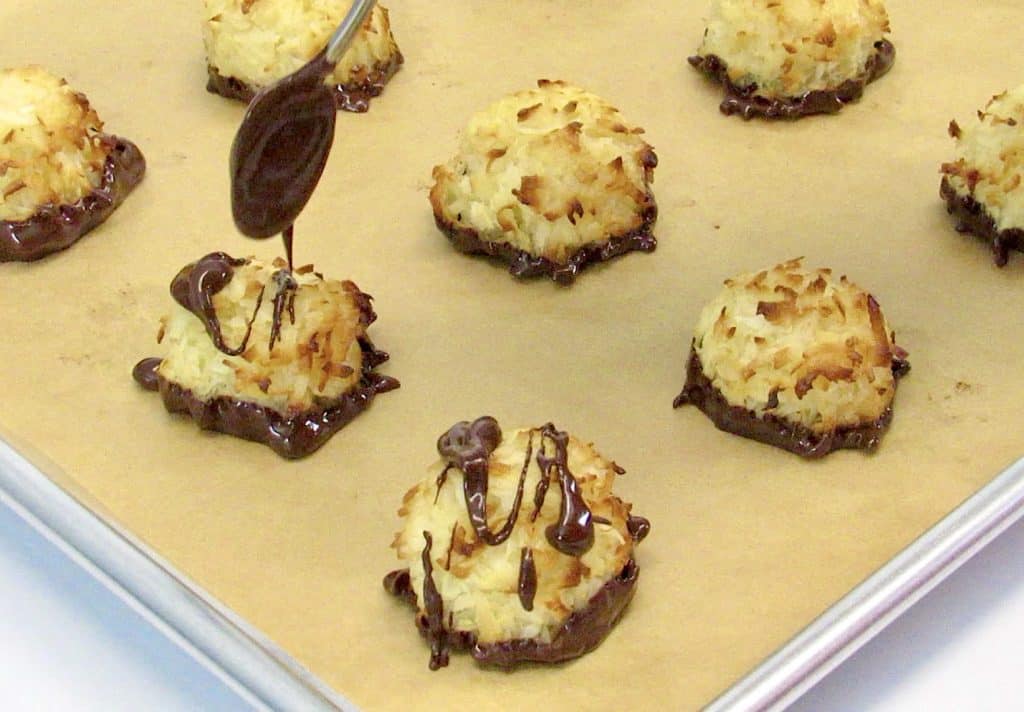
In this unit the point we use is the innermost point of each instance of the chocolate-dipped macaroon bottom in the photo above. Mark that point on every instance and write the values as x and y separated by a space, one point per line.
579 634
290 436
972 217
747 103
795 438
56 227
523 264
352 96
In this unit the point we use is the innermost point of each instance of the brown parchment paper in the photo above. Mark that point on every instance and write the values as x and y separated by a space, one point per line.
749 543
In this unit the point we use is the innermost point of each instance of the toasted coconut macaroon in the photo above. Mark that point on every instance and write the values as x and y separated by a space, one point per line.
795 358
515 547
783 59
984 185
60 175
550 180
250 44
266 354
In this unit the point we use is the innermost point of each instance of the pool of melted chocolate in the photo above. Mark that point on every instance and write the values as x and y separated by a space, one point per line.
353 96
746 102
56 227
524 264
799 439
971 217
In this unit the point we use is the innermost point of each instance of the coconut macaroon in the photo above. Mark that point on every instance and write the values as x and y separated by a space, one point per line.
550 180
783 59
250 44
796 358
264 353
984 185
515 547
60 174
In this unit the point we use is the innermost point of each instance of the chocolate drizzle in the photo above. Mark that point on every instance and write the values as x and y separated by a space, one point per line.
527 585
574 532
468 446
746 102
971 217
195 286
523 264
57 227
796 438
353 96
433 605
292 435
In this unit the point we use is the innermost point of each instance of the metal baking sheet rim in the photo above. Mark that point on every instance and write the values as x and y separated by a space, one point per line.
267 677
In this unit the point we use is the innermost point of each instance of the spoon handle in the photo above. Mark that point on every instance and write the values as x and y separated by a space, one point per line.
351 23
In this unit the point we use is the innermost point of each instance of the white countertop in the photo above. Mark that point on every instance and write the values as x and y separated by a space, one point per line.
68 643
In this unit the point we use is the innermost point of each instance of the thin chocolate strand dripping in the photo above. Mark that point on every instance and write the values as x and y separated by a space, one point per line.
527 578
286 287
436 633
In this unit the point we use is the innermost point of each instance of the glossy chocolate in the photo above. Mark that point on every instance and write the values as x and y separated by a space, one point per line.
523 264
281 149
638 527
527 583
197 283
747 103
433 607
468 446
971 217
57 227
579 634
799 439
290 436
574 533
352 96
145 373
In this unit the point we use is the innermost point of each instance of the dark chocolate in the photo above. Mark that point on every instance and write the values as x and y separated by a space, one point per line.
574 533
527 583
523 264
773 430
145 373
971 217
746 102
290 436
57 227
353 96
433 606
582 631
468 446
638 527
280 151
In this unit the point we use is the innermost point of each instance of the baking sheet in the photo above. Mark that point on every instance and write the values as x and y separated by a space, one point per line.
748 544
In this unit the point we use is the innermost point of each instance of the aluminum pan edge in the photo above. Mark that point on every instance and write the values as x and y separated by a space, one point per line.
862 613
249 663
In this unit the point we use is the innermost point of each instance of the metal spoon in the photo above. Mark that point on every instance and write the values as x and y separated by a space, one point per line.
282 145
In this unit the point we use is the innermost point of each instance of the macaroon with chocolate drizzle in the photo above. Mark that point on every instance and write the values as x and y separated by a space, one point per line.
576 572
320 376
289 383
